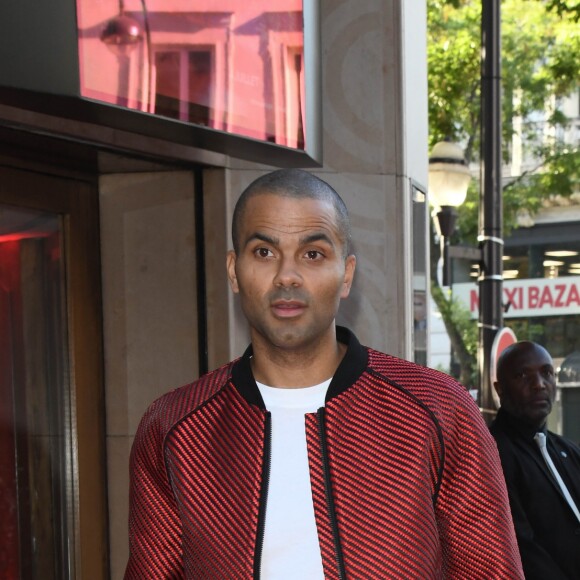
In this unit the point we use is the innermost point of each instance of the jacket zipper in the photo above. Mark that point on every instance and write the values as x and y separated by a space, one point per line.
263 495
328 493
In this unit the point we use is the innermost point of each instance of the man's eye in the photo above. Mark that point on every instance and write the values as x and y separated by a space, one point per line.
263 253
313 255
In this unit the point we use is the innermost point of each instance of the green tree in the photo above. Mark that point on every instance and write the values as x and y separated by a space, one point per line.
540 66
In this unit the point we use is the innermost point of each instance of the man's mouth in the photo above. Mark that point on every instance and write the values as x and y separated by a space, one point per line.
541 401
288 308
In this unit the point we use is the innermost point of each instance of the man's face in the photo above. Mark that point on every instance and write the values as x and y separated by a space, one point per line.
527 385
290 272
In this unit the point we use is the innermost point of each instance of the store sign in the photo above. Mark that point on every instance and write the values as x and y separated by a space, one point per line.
527 298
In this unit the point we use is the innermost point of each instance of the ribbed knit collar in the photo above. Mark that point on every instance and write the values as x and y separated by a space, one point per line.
353 364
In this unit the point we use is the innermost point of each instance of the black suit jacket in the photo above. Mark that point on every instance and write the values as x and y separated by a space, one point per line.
547 530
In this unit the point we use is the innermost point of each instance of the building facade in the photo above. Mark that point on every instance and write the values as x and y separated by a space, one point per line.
541 292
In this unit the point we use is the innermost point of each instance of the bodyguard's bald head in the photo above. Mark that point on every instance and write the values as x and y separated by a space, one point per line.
296 184
526 382
511 354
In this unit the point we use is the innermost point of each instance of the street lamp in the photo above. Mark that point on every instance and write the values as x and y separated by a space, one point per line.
449 175
449 179
122 33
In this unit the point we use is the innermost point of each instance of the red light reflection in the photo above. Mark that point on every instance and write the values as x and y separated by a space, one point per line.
228 65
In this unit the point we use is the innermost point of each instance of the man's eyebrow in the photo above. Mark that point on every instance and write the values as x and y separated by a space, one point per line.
261 238
317 237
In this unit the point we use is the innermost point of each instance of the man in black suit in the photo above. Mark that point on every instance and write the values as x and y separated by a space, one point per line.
547 522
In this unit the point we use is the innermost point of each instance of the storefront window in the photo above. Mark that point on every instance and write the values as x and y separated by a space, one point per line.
420 277
541 288
35 424
232 66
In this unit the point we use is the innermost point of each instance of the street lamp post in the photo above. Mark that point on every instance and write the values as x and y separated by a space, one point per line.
490 251
491 202
122 34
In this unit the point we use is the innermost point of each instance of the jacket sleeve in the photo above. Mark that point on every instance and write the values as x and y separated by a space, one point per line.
154 524
538 564
476 528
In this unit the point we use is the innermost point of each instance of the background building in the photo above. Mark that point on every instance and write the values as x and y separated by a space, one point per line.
541 269
541 293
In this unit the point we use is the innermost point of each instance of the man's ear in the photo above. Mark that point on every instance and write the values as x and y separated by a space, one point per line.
231 270
349 268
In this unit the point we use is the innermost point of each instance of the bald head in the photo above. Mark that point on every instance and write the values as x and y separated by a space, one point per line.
526 382
297 184
514 352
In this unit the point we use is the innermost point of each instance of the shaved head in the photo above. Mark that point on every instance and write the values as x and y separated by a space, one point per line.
512 353
526 382
297 184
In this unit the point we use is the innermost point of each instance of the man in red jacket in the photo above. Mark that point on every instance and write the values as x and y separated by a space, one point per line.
312 456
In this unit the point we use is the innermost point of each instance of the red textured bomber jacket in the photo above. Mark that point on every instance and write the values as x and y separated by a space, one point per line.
406 479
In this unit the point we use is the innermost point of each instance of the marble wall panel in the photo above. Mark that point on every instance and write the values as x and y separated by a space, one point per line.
149 291
150 316
361 117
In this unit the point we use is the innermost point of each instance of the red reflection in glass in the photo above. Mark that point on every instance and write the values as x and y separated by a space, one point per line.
10 545
22 236
33 488
232 67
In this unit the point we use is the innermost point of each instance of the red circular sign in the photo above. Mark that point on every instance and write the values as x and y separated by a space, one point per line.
504 337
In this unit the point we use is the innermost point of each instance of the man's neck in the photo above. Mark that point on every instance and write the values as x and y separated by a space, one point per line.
296 368
521 424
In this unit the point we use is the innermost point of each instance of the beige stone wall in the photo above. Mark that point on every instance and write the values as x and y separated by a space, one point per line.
150 318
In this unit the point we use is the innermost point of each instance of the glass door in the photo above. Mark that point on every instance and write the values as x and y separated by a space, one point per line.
36 486
53 509
421 293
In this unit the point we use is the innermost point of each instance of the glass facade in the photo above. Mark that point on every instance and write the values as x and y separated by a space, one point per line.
231 66
541 290
35 425
420 277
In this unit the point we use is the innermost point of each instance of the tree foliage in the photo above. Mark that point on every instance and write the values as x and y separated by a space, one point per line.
462 333
540 67
570 8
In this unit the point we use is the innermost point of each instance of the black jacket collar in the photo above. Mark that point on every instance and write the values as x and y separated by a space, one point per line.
349 370
508 422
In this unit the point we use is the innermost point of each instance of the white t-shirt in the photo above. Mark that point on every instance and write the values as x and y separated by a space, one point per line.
291 550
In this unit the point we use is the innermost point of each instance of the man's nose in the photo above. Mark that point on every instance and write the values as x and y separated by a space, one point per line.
288 274
538 382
